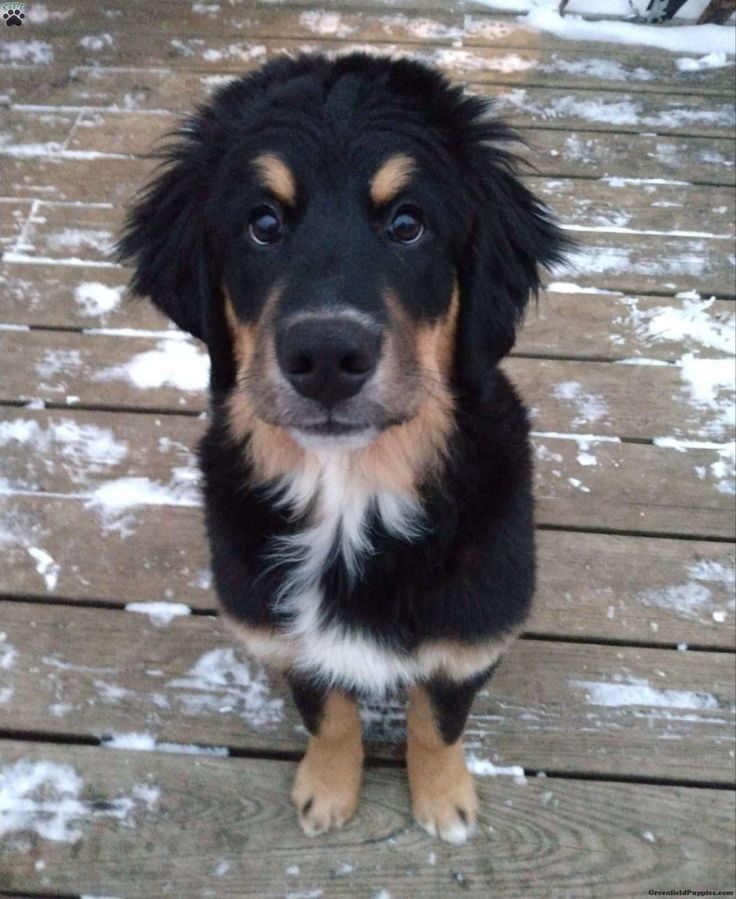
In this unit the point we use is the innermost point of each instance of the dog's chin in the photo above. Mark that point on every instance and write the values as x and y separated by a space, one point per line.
335 436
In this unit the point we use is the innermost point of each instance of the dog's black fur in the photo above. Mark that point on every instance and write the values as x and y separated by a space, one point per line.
470 575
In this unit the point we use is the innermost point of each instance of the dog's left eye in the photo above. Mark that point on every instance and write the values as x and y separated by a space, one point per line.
265 226
407 225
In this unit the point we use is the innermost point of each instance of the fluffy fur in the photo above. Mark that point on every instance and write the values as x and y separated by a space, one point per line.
387 538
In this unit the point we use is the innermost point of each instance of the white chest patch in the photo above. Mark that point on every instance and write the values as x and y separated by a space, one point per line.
339 503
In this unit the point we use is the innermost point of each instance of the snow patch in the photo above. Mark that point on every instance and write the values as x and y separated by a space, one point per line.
221 682
709 61
27 52
324 23
159 612
710 39
95 298
43 798
144 742
45 566
174 363
589 407
638 692
486 768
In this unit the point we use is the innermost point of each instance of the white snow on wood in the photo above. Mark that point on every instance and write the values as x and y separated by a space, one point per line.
44 798
95 298
589 406
84 449
694 320
709 61
159 612
220 681
8 653
174 363
145 742
97 42
326 24
639 692
45 566
704 39
486 768
26 52
624 110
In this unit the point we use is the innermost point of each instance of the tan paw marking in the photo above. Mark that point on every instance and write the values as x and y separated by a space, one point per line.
442 789
327 784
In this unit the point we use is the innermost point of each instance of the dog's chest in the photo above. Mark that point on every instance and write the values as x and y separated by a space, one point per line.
339 506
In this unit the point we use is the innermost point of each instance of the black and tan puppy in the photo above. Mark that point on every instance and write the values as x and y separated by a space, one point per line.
350 240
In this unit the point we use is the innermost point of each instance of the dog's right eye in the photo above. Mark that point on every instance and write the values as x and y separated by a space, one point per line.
265 226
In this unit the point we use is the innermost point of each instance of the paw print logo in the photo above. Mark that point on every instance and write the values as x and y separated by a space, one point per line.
14 17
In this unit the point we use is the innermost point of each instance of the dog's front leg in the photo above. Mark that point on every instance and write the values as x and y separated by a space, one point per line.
328 778
442 789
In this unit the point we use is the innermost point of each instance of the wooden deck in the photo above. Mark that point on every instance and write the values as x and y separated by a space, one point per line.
618 702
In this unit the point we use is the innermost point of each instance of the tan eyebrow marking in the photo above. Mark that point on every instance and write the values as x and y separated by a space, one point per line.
393 175
274 174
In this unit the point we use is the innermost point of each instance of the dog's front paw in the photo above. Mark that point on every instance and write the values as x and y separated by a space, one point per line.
326 789
443 796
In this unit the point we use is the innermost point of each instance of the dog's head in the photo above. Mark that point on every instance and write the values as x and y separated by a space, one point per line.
348 237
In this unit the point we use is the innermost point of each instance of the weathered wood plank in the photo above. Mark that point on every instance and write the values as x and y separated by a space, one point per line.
640 402
564 323
13 214
590 586
592 207
573 837
580 153
469 45
613 327
169 90
557 706
580 482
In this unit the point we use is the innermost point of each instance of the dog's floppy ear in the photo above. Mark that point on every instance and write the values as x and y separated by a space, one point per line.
513 236
165 236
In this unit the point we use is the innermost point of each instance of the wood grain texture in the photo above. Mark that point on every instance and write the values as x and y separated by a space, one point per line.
224 827
556 706
169 90
589 586
639 402
580 482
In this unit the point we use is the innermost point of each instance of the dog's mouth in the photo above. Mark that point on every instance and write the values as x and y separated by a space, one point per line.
334 433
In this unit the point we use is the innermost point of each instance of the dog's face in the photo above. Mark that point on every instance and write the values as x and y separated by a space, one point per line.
347 241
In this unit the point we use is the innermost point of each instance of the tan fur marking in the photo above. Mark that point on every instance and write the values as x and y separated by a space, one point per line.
392 177
460 661
441 785
327 784
276 176
261 643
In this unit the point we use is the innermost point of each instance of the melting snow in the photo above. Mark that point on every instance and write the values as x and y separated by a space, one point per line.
144 742
33 52
713 39
639 692
174 363
45 566
486 768
221 682
325 23
159 612
96 42
694 320
709 61
589 406
95 298
44 798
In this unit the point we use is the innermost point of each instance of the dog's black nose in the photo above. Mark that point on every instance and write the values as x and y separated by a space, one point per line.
328 360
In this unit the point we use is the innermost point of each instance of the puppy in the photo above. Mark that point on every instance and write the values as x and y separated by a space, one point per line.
350 240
